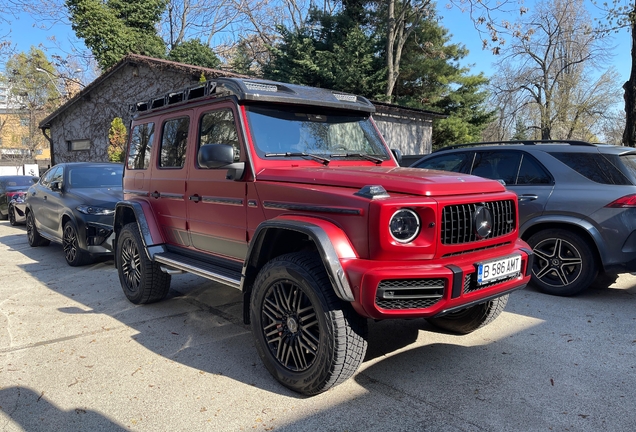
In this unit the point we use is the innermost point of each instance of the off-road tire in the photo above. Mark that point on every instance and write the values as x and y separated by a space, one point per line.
11 215
141 279
470 319
33 236
308 338
73 254
564 262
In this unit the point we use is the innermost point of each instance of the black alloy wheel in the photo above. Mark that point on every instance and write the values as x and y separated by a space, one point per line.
12 216
564 262
70 243
141 279
33 236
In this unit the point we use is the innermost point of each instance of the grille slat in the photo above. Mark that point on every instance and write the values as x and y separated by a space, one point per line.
409 293
458 226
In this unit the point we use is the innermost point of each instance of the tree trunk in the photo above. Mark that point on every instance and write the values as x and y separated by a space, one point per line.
629 136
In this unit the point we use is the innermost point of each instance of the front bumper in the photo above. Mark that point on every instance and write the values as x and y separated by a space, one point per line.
425 289
96 234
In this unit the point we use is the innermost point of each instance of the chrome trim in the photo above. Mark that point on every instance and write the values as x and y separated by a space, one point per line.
198 271
272 205
252 203
223 201
171 196
137 192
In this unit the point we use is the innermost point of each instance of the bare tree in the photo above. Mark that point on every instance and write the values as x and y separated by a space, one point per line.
545 77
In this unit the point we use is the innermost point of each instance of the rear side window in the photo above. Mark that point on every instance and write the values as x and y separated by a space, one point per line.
218 127
140 146
532 173
455 162
174 143
594 167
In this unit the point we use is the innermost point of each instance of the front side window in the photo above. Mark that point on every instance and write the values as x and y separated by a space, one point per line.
593 166
140 146
174 143
218 127
58 176
497 165
286 132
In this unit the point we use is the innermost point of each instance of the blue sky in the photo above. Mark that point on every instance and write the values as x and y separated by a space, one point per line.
25 33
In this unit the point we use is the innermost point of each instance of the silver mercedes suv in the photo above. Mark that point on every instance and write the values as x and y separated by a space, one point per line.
577 203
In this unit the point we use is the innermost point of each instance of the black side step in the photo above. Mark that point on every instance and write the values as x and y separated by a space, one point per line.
201 268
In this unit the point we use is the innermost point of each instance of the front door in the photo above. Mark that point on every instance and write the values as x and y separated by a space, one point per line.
217 205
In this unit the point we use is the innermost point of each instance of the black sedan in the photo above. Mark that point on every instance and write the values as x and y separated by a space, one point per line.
73 204
12 186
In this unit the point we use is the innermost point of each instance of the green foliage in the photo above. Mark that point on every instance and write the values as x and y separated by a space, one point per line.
521 131
111 29
117 137
242 61
33 88
195 53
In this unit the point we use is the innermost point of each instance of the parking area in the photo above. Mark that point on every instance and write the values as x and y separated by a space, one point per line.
76 355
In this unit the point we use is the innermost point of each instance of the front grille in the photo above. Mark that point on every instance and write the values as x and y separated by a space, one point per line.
458 221
409 293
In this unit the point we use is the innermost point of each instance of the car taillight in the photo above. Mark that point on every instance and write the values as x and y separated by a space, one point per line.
11 195
628 201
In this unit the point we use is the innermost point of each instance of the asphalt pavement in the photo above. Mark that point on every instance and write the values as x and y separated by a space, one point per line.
75 355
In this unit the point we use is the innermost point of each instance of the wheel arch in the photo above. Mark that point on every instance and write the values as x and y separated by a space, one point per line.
140 214
584 229
294 234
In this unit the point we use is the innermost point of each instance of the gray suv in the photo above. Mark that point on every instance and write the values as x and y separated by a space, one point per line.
577 203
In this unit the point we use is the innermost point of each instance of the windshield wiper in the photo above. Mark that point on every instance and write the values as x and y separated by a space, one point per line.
368 157
317 158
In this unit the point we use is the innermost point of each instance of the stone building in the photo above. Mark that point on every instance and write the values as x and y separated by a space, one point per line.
78 130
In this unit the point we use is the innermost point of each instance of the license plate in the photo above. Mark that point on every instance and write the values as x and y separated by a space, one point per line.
498 269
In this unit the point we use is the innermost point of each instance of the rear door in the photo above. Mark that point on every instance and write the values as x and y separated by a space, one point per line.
45 202
168 183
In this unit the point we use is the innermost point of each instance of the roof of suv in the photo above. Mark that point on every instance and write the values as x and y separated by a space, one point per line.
545 145
257 90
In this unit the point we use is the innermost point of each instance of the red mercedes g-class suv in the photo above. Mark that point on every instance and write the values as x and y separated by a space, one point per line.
290 194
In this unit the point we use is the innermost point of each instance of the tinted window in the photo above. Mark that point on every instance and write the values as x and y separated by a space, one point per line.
95 177
594 167
456 162
140 146
17 181
531 172
629 162
58 175
174 143
218 128
46 178
497 165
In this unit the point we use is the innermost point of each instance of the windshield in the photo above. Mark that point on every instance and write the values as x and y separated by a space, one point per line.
277 132
96 177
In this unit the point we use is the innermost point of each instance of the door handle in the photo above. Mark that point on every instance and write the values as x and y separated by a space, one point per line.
155 194
528 197
195 198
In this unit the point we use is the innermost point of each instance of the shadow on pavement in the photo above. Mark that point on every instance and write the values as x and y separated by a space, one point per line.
33 412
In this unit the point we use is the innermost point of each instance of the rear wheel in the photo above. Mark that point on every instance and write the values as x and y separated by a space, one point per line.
33 236
141 279
70 243
307 337
564 262
470 319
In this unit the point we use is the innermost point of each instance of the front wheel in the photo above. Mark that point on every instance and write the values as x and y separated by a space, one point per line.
70 244
307 337
470 319
141 279
564 262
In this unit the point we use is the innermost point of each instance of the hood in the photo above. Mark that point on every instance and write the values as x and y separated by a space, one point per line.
412 181
102 197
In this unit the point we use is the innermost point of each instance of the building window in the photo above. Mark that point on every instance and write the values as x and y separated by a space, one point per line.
78 145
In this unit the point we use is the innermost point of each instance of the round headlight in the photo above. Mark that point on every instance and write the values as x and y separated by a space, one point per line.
404 225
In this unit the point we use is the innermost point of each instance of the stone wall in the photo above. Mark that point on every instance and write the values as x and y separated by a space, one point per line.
90 117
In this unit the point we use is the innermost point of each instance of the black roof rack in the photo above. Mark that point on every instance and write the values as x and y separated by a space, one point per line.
522 142
258 90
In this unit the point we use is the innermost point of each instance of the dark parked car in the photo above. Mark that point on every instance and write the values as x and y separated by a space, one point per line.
577 203
12 186
17 209
73 204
